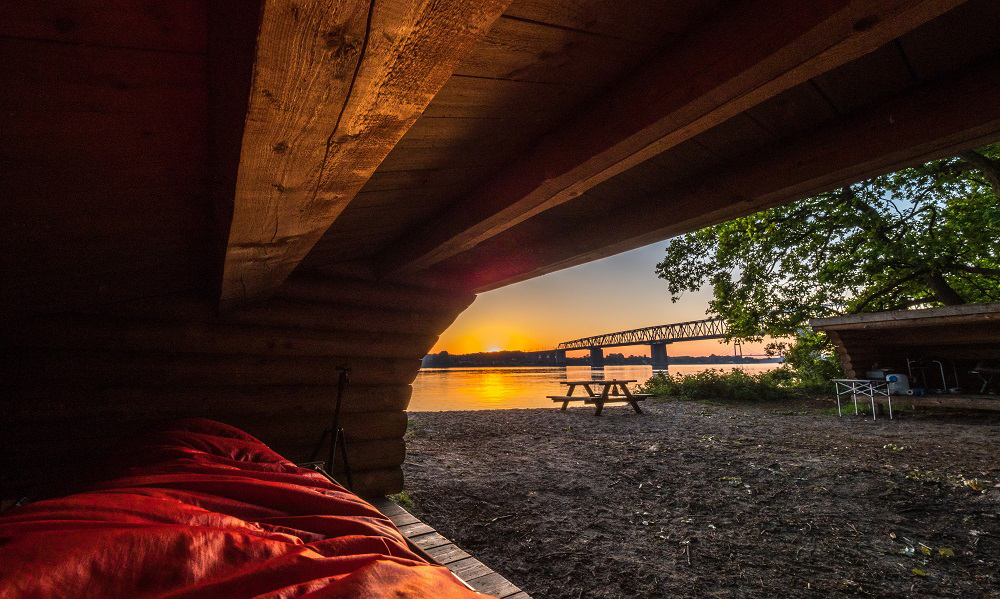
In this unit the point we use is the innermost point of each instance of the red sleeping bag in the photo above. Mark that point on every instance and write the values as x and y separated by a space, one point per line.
205 510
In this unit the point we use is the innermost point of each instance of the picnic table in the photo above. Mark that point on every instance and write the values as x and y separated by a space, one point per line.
600 392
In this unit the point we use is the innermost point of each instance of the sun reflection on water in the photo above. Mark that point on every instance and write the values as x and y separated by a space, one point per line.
438 389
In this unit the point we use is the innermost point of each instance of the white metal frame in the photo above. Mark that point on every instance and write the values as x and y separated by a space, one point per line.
862 387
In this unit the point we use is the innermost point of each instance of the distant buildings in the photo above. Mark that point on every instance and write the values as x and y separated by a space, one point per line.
550 358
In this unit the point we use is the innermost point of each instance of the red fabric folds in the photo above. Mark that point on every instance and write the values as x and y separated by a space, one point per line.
205 510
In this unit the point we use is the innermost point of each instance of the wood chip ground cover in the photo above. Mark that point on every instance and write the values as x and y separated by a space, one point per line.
730 500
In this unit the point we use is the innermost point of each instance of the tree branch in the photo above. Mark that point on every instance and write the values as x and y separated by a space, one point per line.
944 292
977 270
989 167
885 290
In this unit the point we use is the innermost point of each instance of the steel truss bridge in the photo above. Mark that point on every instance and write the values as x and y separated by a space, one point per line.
710 328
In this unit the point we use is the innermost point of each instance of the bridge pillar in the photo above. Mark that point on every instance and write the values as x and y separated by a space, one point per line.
658 351
596 357
560 357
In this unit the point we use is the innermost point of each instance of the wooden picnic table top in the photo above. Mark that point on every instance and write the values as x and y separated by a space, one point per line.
598 382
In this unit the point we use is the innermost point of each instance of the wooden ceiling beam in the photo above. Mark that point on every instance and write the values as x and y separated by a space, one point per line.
750 53
930 122
336 83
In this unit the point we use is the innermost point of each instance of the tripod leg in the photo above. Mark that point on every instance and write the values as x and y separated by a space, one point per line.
342 441
319 446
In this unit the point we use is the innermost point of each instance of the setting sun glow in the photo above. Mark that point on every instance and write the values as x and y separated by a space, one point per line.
538 314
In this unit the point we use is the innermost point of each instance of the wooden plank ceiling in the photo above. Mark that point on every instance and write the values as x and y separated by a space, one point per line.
517 169
204 148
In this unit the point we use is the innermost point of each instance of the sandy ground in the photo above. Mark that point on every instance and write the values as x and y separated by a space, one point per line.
724 500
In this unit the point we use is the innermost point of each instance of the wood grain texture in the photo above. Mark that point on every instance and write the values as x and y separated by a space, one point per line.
746 56
926 123
518 50
636 21
336 84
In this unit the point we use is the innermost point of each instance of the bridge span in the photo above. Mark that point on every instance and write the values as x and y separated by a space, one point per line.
657 337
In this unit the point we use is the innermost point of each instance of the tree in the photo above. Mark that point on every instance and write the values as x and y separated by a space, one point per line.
924 236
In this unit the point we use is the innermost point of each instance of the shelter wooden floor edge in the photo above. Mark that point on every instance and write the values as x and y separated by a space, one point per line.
475 573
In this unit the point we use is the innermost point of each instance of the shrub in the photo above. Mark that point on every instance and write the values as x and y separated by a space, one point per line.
780 383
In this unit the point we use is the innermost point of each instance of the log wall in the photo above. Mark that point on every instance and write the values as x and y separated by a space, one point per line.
80 383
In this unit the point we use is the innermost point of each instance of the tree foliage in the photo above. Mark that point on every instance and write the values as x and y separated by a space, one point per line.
923 236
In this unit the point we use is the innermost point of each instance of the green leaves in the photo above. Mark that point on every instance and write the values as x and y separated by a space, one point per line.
923 236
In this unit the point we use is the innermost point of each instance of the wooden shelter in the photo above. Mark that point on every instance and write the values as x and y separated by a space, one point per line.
952 347
208 205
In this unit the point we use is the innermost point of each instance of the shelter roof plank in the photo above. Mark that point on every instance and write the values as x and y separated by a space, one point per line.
385 180
746 56
881 74
919 126
64 77
100 140
735 136
479 97
958 37
328 102
634 21
799 109
517 50
177 26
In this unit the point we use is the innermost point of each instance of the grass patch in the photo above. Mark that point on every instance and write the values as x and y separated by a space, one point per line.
403 499
413 429
864 409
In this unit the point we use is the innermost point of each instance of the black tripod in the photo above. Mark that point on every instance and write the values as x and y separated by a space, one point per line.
335 432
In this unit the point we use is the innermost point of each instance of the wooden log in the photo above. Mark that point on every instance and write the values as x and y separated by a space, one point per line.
364 455
113 369
83 286
951 402
332 93
359 428
82 422
90 333
283 313
957 334
376 483
336 317
68 440
44 401
64 465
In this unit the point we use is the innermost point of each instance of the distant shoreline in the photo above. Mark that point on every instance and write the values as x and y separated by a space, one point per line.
516 358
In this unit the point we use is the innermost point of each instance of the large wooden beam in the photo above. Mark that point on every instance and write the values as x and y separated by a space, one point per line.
750 53
934 121
336 83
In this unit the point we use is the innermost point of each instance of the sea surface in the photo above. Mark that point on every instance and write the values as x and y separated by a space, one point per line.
447 389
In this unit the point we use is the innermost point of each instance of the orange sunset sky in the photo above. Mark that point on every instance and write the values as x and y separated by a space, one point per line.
614 294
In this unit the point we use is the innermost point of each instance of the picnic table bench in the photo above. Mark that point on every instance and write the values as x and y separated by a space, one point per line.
607 391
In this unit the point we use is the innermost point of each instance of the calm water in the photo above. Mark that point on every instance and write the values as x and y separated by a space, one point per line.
443 389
